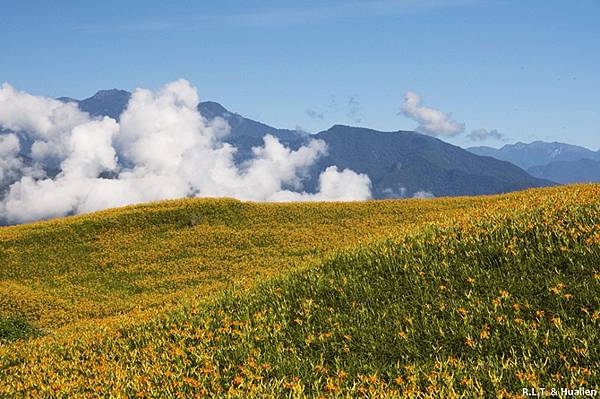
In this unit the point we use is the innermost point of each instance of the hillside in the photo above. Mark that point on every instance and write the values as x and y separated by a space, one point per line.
457 296
112 262
404 163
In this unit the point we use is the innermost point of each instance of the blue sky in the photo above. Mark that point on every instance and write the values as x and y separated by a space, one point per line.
529 69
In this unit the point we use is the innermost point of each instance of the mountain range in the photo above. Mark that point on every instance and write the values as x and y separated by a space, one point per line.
559 162
399 163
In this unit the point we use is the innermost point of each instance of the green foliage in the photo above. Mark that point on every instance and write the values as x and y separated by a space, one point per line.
14 327
109 263
427 314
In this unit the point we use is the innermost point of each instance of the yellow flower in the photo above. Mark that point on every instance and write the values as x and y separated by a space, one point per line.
485 333
557 288
462 311
321 369
579 351
238 380
469 341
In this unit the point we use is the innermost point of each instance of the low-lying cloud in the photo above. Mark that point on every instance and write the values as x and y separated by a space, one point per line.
431 121
423 194
402 192
60 161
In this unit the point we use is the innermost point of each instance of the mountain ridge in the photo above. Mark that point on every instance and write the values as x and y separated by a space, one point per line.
399 163
404 162
556 161
526 155
566 172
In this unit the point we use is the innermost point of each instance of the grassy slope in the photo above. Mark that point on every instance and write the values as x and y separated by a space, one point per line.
109 263
506 297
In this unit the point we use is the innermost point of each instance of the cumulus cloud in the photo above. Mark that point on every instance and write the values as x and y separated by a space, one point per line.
431 121
334 185
9 157
483 134
90 149
162 148
47 121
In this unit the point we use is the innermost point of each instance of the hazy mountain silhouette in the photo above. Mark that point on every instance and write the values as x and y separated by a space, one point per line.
537 153
559 162
580 171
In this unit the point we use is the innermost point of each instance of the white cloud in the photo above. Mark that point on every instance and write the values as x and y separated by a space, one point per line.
334 185
423 194
484 134
431 121
9 160
47 121
162 148
90 149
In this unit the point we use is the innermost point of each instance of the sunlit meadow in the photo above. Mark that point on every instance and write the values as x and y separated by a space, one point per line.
461 297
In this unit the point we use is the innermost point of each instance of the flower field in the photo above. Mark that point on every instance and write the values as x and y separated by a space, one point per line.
451 297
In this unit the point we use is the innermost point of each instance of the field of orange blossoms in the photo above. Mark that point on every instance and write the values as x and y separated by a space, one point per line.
451 297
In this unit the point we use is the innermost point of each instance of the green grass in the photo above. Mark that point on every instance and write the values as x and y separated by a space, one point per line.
449 311
15 327
505 298
107 264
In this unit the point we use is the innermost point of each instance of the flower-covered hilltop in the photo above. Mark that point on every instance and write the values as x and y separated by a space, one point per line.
454 297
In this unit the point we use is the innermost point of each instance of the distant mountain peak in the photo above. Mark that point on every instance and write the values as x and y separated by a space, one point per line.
212 109
340 126
537 153
67 100
347 129
214 105
111 93
106 103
